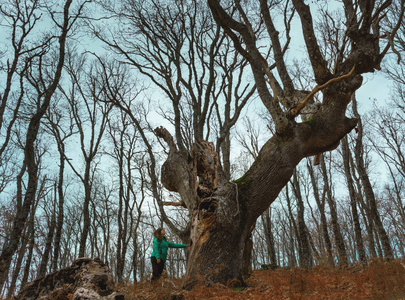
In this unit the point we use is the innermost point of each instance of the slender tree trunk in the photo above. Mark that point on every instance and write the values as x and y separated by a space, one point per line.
268 234
353 203
247 256
321 207
313 247
28 260
375 216
59 225
340 244
17 269
370 235
86 211
378 244
293 229
135 258
120 236
368 189
292 261
367 219
305 254
48 244
25 236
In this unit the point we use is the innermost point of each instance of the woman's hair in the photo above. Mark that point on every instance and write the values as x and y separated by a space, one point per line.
158 234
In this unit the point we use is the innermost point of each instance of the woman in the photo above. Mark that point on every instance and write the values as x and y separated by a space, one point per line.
159 254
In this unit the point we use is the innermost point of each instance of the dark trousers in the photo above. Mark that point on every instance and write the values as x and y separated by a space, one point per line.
157 269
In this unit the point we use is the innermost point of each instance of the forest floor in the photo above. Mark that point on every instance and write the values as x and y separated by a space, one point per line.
378 280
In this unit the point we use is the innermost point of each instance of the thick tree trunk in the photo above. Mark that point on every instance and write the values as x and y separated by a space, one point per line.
247 257
223 212
219 236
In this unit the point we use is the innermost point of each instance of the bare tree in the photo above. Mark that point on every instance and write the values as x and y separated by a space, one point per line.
128 156
227 209
90 112
56 127
339 240
269 237
321 201
305 254
368 189
45 91
353 201
49 238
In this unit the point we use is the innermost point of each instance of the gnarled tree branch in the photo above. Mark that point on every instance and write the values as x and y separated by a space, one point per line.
318 88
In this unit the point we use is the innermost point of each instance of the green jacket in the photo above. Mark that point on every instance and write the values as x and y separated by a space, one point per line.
160 248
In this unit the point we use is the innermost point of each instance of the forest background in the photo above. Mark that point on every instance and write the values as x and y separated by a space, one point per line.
85 83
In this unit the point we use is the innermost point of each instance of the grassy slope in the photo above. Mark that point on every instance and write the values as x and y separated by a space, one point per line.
379 280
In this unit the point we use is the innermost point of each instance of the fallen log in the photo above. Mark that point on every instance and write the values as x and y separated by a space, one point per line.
84 279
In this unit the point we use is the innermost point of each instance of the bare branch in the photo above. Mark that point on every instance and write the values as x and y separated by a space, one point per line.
167 137
182 204
318 88
278 53
319 64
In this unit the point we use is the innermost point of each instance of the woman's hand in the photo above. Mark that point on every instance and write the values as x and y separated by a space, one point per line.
158 260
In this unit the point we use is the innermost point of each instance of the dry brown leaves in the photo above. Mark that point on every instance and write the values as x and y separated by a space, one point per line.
379 280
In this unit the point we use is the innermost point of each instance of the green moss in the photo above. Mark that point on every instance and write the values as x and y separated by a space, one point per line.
243 183
239 289
309 121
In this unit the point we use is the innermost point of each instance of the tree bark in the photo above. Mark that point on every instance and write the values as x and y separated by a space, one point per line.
353 203
26 236
368 189
268 234
48 243
321 207
86 210
222 208
121 234
61 200
339 241
304 249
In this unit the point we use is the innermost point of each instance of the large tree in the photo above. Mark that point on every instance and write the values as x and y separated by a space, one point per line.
223 213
